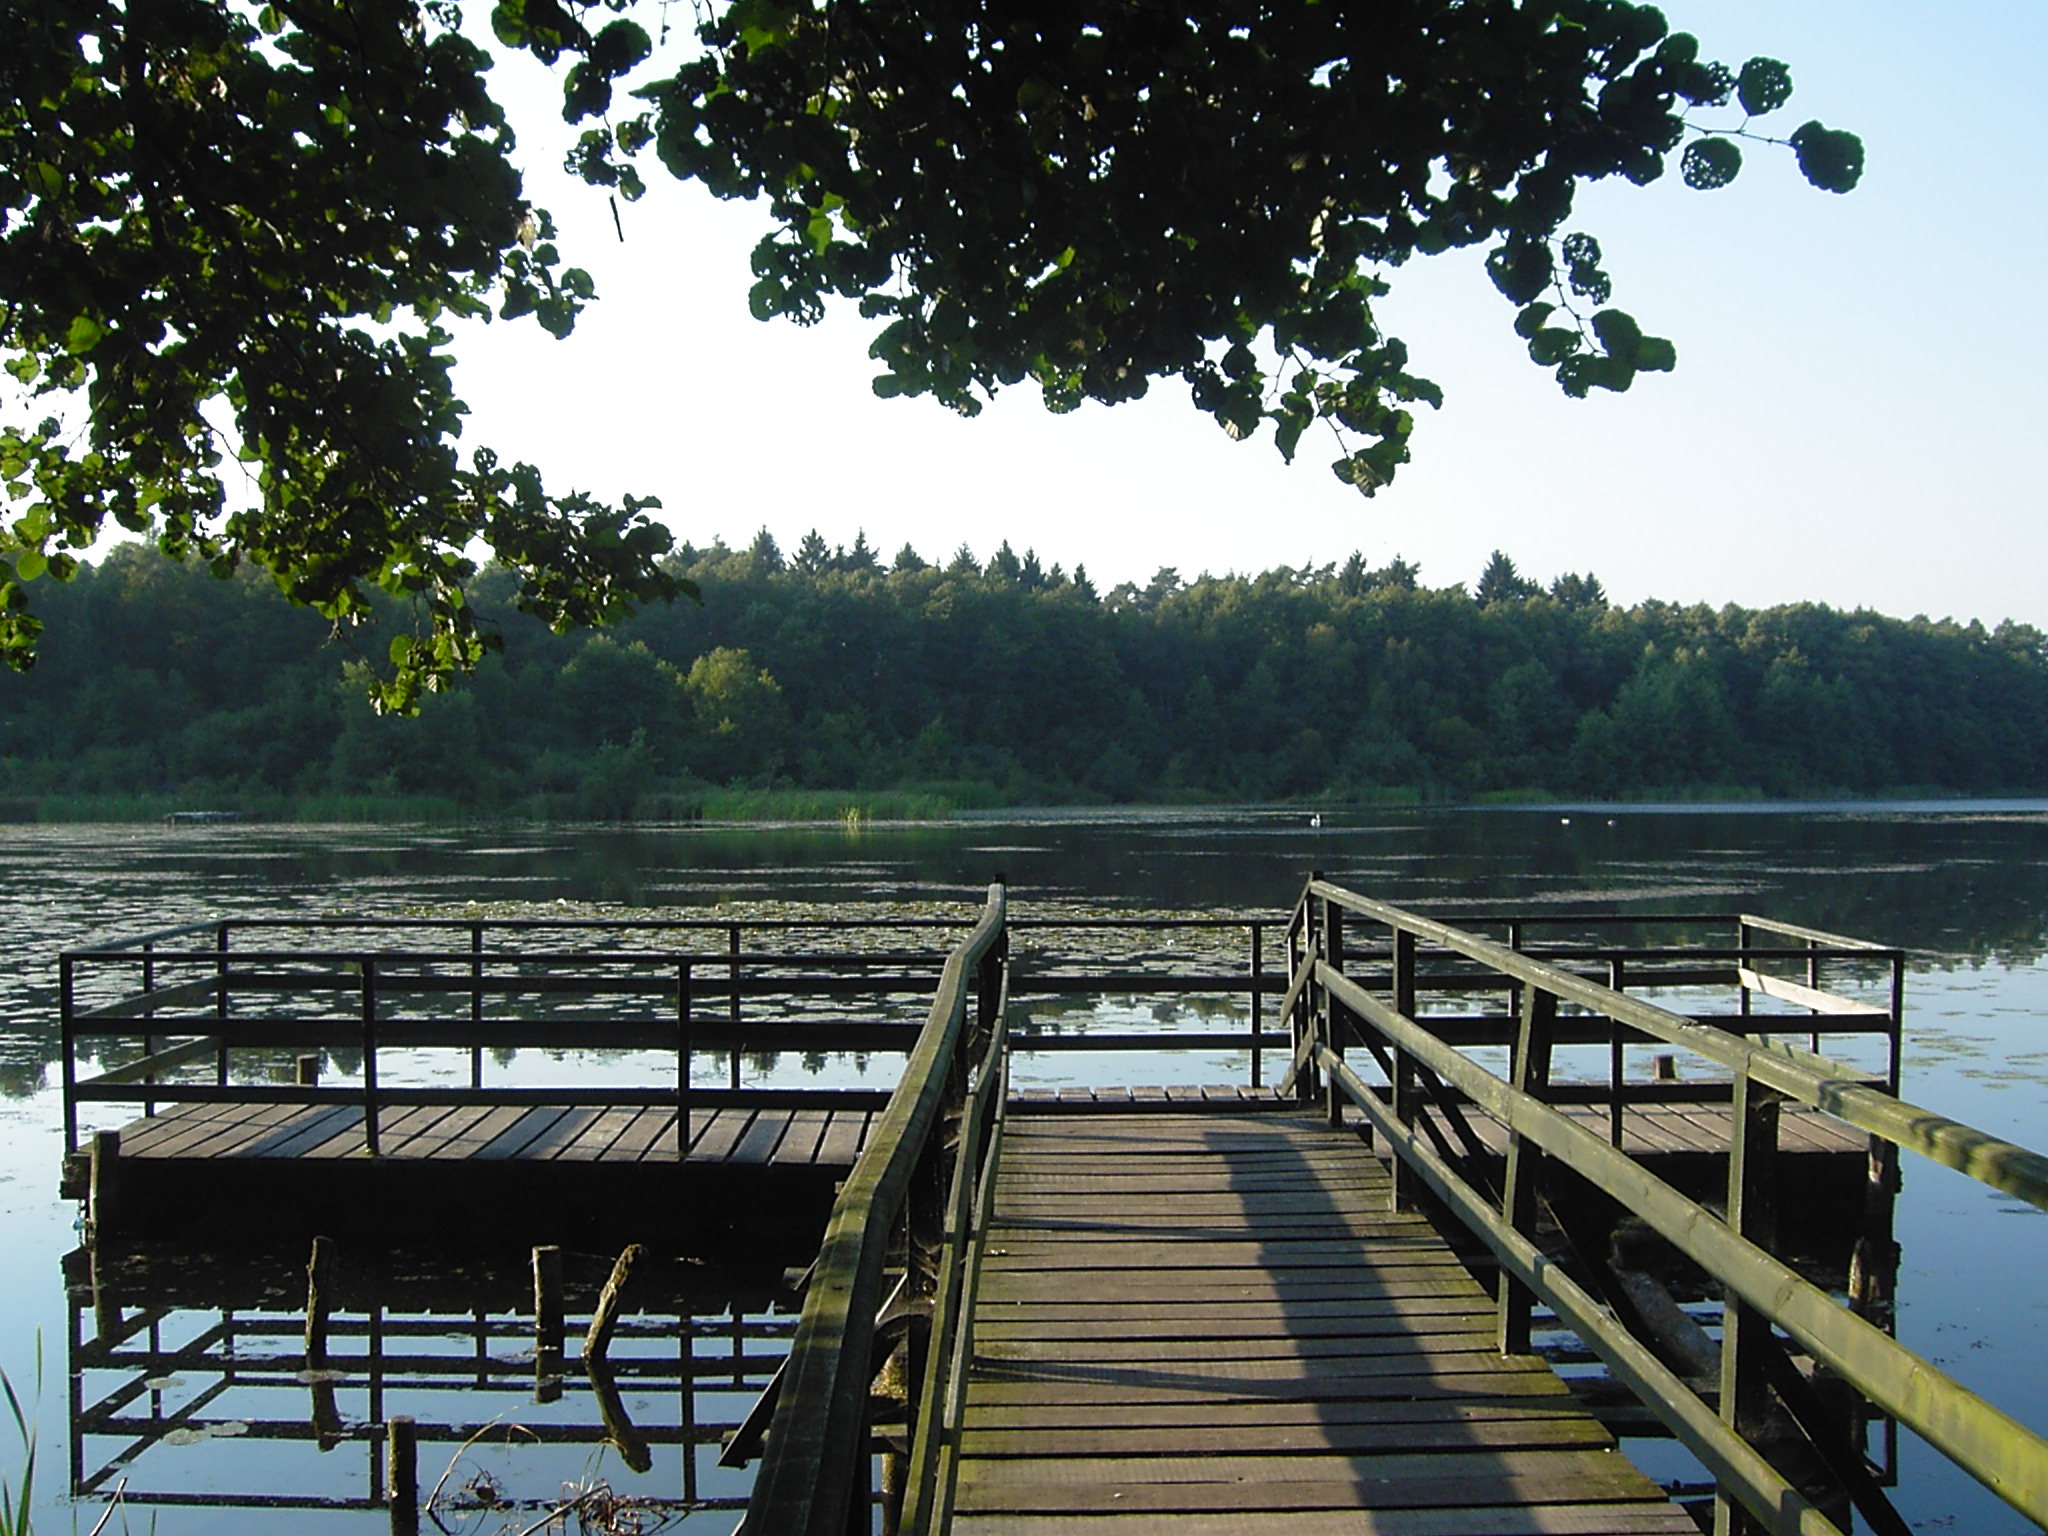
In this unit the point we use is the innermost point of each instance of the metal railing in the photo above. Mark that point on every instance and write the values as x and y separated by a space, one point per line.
1429 1090
242 1002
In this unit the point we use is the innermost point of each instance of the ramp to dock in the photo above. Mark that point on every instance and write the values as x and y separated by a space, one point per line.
1214 1319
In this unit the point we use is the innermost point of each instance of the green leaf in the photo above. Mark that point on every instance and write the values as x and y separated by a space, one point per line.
1656 355
1530 319
1553 345
84 335
1830 158
30 564
1763 86
1618 332
619 47
1710 163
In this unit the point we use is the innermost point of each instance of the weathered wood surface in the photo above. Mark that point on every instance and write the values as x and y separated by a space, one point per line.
1210 1322
1653 1130
487 1133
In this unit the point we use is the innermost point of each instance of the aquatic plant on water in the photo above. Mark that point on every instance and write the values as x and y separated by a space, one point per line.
14 1501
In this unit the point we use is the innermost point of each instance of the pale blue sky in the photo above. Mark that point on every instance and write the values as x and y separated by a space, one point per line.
1855 417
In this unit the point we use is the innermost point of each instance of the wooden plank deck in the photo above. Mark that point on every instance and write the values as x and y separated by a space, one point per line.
1210 1322
484 1133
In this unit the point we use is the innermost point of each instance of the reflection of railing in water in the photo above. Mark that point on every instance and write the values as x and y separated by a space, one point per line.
158 1374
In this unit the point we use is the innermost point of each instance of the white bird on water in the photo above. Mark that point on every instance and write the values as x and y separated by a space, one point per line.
1315 818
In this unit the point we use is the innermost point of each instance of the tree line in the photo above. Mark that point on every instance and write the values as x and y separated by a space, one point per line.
975 681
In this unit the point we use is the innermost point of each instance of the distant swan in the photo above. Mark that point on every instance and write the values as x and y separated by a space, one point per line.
1315 818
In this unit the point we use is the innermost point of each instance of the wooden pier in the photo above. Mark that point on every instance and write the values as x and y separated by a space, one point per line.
1204 1322
1303 1302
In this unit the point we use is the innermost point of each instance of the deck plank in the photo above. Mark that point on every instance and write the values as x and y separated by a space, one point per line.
1216 1320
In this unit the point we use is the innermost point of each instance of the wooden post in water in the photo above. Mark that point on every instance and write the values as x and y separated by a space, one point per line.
598 1339
319 1301
547 1324
306 1071
402 1474
103 1197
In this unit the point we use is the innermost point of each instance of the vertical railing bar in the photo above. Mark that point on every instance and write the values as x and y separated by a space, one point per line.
1401 1086
1813 984
1615 1109
369 967
733 1008
476 1005
1745 1331
1258 1001
682 1062
1333 954
1529 1071
220 1004
1896 1032
67 1026
149 1017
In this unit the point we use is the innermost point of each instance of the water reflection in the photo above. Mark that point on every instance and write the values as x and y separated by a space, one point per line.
197 1395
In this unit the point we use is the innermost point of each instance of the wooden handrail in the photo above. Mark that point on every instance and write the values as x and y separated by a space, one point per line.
2006 1456
1842 1091
816 1452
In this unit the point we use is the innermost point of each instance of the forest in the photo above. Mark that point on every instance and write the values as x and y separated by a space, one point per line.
834 681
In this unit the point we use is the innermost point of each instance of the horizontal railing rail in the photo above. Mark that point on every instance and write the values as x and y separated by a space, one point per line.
1428 1085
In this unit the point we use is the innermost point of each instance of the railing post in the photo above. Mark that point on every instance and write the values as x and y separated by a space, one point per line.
1520 1187
1306 946
1258 1001
1333 1032
68 1050
369 965
733 1007
148 1013
1813 984
1743 944
220 1005
1401 1088
1746 1332
682 1062
1615 1108
476 1005
1895 1031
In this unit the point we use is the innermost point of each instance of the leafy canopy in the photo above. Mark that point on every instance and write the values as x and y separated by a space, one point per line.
233 233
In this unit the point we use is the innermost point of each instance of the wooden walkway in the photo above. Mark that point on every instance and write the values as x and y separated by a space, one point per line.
1207 1322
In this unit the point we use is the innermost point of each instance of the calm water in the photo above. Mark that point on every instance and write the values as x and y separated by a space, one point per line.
1963 886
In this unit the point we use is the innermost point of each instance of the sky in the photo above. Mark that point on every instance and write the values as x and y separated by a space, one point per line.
1855 416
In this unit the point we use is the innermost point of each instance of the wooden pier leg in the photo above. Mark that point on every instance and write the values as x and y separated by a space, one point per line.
306 1071
402 1474
103 1198
319 1301
547 1324
598 1340
107 1321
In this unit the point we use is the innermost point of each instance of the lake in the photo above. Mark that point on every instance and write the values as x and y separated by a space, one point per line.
1962 885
